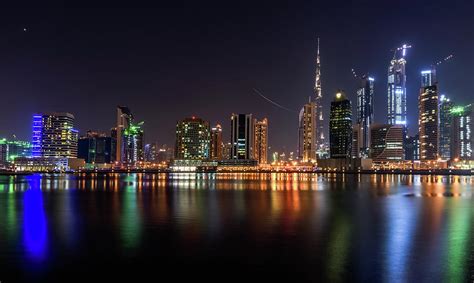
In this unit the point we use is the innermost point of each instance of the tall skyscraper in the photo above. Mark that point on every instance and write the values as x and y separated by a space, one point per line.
445 125
54 135
241 136
340 127
260 146
365 114
412 148
428 121
397 92
307 137
192 139
462 141
387 143
217 146
96 148
124 120
319 120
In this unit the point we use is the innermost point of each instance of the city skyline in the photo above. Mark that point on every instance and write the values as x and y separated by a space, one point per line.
138 68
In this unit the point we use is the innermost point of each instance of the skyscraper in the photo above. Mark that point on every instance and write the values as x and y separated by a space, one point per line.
124 120
307 138
96 148
340 127
462 141
260 146
397 92
217 146
428 121
365 114
54 135
319 121
241 136
445 125
192 139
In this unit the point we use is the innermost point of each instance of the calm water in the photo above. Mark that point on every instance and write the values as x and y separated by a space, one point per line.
235 227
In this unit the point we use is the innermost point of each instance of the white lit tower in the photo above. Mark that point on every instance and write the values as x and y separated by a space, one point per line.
321 146
397 92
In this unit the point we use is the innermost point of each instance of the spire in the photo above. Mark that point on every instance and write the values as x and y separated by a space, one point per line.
317 84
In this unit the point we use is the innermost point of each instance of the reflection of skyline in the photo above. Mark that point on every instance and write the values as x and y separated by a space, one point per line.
34 220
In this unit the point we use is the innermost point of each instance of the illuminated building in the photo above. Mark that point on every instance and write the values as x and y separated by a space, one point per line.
365 115
242 136
387 143
54 135
124 120
11 149
340 127
165 154
150 152
412 148
320 142
227 151
217 146
397 92
428 121
462 139
261 141
132 143
96 148
192 139
445 127
307 138
356 142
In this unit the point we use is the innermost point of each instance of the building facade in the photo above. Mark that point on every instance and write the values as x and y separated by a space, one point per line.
365 114
96 148
428 121
340 127
242 136
260 146
54 135
397 92
462 136
192 139
307 134
445 127
387 143
217 145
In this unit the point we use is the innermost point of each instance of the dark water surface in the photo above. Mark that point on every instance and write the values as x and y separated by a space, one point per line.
236 227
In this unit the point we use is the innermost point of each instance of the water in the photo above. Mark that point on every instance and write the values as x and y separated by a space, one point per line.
236 227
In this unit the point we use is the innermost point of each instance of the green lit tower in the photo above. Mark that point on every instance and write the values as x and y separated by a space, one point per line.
340 127
462 139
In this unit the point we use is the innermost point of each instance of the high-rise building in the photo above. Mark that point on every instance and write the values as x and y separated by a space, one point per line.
320 142
124 120
192 139
260 146
445 125
54 135
387 143
428 121
397 92
242 136
365 115
150 152
307 134
96 148
217 146
356 142
462 141
340 127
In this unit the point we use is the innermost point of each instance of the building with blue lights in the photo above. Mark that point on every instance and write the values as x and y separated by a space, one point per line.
242 136
397 92
54 135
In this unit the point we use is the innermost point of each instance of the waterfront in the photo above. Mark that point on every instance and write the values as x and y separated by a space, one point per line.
311 227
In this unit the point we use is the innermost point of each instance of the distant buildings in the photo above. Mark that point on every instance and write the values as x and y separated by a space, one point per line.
11 149
412 148
242 136
340 127
217 146
124 120
54 135
365 115
428 121
192 139
387 143
462 132
261 141
96 148
307 135
445 127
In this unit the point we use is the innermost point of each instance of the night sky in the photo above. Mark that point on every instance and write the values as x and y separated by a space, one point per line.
169 61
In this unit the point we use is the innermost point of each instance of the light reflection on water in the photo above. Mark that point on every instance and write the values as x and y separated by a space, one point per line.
332 227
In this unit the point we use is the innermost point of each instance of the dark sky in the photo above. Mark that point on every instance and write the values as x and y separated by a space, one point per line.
169 61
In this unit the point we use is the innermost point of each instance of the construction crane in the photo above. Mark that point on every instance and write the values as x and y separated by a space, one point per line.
445 59
403 48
